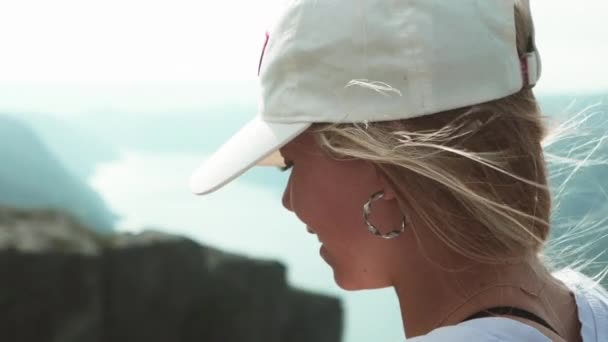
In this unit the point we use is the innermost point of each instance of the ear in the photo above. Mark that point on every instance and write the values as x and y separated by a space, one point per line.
385 184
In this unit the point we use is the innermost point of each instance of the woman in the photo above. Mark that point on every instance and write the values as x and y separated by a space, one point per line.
414 140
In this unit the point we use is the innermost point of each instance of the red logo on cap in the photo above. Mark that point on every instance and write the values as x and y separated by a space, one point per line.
263 51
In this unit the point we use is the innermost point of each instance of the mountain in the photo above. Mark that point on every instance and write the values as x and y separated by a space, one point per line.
32 177
79 150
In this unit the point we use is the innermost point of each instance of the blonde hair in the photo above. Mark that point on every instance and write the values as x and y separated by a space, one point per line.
476 177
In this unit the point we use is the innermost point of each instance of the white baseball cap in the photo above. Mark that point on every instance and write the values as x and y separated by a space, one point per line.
339 61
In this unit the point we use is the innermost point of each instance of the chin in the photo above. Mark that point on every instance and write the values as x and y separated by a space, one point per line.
353 284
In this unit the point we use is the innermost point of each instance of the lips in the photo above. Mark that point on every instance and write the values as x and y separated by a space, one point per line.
311 231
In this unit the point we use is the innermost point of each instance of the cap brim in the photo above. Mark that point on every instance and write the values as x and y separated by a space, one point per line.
255 142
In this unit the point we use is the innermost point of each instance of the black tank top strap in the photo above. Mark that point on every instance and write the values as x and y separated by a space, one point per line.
510 311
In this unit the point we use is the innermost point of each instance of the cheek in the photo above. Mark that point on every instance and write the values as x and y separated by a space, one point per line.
331 199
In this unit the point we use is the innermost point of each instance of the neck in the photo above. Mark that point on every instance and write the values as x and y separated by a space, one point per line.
435 297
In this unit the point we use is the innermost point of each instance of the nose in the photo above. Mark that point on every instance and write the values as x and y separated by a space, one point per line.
287 197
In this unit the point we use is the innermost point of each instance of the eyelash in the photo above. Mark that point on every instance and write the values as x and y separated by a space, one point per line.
287 167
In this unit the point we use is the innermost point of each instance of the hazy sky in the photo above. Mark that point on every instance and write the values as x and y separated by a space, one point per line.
119 40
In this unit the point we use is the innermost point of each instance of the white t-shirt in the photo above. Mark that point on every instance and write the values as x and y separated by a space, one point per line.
591 300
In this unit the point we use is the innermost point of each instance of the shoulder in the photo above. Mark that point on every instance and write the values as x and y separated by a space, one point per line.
580 283
591 297
455 333
592 303
489 329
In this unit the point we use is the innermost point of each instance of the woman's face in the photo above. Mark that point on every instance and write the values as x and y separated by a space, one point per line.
328 196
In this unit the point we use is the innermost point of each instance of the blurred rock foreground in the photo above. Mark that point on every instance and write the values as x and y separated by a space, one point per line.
62 282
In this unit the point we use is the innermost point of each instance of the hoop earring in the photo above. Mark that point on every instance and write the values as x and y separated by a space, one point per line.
372 229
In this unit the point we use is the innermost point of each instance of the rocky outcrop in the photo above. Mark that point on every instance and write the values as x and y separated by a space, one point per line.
62 282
